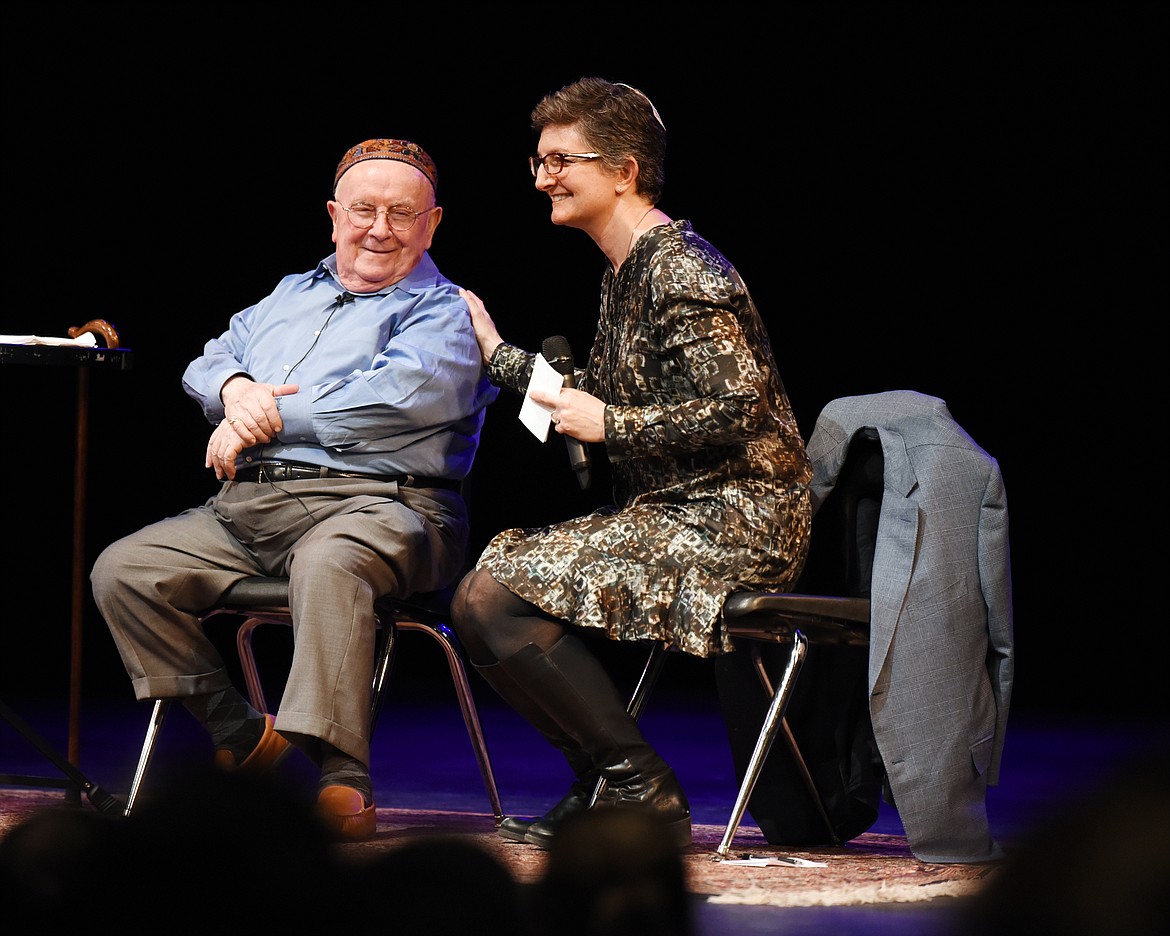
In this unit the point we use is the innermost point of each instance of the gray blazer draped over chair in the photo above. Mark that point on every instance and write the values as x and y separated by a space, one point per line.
941 629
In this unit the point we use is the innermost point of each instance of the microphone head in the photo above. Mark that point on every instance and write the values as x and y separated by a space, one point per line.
556 351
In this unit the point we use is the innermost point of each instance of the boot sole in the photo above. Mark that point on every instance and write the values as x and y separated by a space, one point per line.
513 829
679 831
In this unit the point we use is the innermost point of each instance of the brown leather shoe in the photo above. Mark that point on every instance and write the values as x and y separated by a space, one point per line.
345 813
269 751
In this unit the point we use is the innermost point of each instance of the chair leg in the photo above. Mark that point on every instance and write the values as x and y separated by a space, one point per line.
638 700
248 662
647 680
382 668
383 665
158 715
793 747
448 641
768 734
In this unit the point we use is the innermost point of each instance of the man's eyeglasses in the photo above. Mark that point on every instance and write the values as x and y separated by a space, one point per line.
363 217
555 162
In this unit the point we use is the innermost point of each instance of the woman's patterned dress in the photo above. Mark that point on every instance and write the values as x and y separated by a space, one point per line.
710 472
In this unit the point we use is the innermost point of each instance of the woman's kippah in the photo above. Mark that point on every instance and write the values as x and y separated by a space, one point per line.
401 150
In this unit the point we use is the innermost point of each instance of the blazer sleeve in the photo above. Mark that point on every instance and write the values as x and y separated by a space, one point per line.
996 582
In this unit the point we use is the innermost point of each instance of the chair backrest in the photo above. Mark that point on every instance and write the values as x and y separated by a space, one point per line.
844 533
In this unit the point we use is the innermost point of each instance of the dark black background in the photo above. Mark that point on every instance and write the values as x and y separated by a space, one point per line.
965 200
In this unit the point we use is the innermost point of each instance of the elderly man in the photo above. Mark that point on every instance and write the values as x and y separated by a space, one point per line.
346 408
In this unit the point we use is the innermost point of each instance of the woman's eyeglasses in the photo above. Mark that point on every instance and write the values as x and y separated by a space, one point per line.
555 162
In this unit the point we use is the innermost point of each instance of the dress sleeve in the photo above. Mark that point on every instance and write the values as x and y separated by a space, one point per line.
705 374
511 368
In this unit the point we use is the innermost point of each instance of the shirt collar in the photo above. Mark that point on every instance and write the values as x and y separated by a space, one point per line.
424 276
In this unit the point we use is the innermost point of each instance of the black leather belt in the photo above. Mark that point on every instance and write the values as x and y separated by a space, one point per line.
288 471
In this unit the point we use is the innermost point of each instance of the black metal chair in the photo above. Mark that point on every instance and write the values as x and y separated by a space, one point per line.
841 556
264 600
844 537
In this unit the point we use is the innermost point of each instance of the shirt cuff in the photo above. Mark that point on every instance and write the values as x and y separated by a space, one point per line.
296 418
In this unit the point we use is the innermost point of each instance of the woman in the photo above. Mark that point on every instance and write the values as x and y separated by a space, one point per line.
709 471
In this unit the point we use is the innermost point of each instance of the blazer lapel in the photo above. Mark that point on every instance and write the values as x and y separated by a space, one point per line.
897 548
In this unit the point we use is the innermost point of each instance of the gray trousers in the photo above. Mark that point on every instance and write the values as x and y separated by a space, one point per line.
341 542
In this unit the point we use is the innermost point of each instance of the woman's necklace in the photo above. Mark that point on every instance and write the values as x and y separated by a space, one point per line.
633 237
634 232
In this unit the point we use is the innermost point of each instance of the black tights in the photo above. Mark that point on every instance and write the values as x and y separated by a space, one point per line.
493 623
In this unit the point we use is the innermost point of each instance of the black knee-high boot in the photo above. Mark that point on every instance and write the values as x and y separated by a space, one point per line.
572 689
515 828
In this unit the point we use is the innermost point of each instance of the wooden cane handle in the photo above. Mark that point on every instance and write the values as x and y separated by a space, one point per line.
98 327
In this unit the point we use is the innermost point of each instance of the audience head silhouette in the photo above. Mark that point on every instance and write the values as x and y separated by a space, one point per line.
613 872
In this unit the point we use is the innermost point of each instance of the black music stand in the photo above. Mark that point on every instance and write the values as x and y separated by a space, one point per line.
83 359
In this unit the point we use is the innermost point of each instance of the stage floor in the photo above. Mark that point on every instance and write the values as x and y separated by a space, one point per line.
423 760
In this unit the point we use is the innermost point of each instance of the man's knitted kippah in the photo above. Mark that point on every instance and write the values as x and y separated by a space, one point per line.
401 150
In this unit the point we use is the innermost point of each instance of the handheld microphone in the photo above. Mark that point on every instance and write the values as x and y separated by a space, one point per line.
556 351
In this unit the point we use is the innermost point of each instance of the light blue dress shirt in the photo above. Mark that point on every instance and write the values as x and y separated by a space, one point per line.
390 382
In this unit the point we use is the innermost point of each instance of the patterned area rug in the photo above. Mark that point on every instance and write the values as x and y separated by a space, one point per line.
871 869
